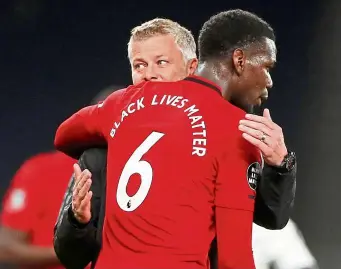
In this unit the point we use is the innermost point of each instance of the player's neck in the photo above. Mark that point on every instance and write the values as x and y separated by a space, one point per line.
210 72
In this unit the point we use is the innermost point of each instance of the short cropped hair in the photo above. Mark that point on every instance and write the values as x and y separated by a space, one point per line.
229 30
183 37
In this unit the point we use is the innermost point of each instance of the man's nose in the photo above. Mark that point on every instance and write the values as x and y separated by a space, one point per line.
150 74
269 84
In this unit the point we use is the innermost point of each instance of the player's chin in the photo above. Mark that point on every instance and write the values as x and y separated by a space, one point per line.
261 100
258 102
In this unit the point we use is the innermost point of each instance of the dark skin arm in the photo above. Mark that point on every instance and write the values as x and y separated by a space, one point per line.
15 249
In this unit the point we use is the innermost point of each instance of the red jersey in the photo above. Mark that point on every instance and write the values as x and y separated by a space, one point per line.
32 202
178 172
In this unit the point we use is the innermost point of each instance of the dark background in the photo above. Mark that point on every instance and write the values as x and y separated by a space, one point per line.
56 55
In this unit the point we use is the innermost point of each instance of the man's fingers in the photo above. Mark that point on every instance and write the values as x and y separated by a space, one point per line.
85 204
256 126
82 213
84 190
266 121
86 173
82 179
79 196
250 131
78 173
265 150
77 170
80 192
81 188
267 114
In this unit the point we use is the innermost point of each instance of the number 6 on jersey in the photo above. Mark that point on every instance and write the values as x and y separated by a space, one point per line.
135 165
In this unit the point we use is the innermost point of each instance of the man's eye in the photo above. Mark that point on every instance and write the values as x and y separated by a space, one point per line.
162 62
139 66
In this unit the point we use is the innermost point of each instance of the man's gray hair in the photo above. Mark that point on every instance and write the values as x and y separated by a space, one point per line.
183 37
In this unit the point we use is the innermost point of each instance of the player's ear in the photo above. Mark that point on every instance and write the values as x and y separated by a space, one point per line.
239 61
191 66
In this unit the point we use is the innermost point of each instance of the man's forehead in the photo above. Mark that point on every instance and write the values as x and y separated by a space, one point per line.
156 41
271 49
155 45
267 48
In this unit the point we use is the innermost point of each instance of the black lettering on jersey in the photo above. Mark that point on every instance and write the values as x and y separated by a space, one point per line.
253 175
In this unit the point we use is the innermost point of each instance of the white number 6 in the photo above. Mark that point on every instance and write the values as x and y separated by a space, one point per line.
134 165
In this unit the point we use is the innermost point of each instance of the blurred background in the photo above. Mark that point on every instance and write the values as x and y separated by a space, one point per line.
56 55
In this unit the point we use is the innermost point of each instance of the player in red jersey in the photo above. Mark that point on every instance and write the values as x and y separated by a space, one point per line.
30 210
182 139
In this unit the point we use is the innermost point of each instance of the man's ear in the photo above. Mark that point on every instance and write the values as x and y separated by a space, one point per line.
239 61
191 66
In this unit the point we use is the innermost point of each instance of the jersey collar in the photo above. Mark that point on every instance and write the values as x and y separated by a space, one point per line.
204 82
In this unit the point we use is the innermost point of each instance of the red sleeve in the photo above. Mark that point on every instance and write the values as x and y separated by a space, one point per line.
21 205
88 127
82 130
238 171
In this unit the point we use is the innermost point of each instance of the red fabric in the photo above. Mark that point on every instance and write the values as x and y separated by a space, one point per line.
183 138
32 202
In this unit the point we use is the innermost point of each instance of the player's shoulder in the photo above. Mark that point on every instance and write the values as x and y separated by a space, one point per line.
234 113
116 94
54 158
200 86
114 97
229 128
38 159
46 160
33 168
211 94
229 118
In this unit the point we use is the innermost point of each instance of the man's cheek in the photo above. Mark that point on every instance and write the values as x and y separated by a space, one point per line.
179 75
136 78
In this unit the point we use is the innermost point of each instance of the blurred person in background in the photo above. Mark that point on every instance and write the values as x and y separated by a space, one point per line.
30 208
31 205
143 69
283 249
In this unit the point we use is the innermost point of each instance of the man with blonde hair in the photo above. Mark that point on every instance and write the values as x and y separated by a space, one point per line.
154 57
